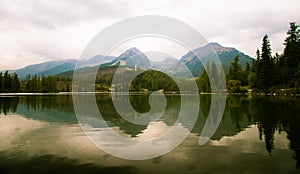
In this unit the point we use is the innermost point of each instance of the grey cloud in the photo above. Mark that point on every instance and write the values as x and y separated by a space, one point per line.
50 14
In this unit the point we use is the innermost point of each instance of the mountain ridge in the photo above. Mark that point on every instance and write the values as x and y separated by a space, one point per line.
134 57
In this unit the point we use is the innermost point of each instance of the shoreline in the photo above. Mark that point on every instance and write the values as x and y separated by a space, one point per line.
146 93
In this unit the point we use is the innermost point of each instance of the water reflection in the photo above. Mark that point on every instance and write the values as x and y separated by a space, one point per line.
46 127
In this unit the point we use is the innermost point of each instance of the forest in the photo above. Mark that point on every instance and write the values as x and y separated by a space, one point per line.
10 83
278 74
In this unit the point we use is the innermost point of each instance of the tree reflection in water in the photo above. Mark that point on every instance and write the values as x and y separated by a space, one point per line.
271 114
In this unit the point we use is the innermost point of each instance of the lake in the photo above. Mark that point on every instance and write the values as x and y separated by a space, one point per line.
258 134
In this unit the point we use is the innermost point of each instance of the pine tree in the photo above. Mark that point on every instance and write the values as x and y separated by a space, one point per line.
203 82
265 66
43 84
34 84
252 77
68 89
15 83
7 82
214 74
291 55
28 83
235 69
246 74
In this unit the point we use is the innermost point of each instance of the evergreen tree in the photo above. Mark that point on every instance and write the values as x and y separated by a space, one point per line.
7 82
34 84
252 77
43 84
265 66
237 76
28 83
246 74
214 74
15 83
68 88
257 55
235 70
203 82
291 53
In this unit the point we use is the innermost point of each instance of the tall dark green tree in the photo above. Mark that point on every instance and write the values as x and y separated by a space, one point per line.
15 83
235 70
203 81
237 77
28 83
291 55
246 72
7 82
214 74
265 66
252 77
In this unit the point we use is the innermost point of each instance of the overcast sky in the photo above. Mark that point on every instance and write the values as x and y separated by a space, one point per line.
35 31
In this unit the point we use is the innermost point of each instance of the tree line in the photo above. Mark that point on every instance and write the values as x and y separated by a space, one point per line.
35 84
9 82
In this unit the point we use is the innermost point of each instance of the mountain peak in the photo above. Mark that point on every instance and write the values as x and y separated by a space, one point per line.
132 57
215 45
134 49
131 52
170 60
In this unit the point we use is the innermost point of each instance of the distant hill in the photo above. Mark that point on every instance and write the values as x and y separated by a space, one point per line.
42 67
57 67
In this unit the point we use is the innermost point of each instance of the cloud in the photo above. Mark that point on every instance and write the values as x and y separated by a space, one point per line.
57 13
32 31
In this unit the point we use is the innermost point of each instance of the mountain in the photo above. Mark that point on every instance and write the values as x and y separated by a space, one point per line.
66 66
130 58
41 67
206 53
134 57
94 61
56 67
166 65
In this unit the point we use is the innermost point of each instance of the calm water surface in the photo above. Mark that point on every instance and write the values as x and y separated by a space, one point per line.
40 134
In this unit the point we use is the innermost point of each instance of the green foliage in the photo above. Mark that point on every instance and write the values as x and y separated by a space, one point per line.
281 71
9 82
153 81
252 79
291 55
234 86
214 73
36 84
203 82
265 67
237 77
235 69
15 83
